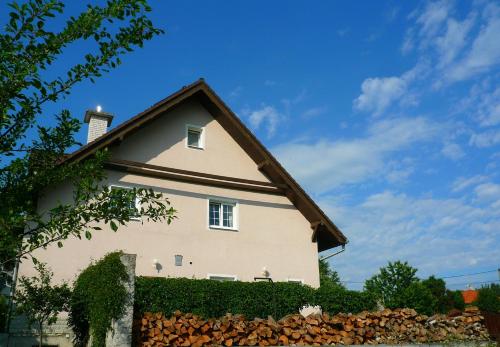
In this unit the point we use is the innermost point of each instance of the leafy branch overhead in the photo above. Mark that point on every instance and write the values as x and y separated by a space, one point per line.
32 162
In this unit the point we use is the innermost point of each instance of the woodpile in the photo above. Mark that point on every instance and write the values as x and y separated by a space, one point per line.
387 326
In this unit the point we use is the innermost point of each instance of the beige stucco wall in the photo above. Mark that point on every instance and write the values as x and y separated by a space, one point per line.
271 233
163 142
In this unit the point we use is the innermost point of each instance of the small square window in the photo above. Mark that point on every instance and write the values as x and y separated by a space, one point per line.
194 137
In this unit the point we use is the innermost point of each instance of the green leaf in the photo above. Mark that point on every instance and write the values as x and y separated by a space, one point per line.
113 225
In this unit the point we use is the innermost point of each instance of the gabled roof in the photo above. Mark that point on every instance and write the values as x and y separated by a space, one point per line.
325 232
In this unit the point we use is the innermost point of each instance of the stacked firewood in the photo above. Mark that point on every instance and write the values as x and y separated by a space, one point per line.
387 326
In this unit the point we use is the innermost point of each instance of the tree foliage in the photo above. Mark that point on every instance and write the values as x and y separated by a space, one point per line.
418 297
488 298
445 299
437 287
39 300
328 276
31 161
98 297
388 285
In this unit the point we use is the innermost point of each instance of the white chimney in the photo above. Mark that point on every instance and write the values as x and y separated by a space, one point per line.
98 123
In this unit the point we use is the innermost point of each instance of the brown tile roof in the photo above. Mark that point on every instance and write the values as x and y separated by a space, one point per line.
469 295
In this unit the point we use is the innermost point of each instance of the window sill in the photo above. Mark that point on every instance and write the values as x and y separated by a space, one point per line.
213 227
194 147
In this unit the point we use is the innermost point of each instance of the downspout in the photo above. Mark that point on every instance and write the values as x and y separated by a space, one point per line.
333 254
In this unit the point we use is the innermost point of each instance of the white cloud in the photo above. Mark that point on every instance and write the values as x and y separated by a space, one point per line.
323 165
453 41
453 151
378 93
485 50
236 92
388 226
267 115
463 183
434 14
487 192
408 42
489 108
314 112
485 139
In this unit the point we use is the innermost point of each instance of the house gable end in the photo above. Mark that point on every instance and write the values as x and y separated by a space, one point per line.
324 230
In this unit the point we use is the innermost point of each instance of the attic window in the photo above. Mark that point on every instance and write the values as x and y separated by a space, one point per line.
194 137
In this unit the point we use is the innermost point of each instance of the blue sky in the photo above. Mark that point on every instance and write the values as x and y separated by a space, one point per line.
388 113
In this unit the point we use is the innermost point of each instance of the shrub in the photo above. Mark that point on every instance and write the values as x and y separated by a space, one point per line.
4 309
39 300
334 299
418 297
454 300
488 298
437 286
99 296
209 298
446 299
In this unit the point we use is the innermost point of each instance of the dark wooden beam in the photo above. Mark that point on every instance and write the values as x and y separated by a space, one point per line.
195 173
315 224
290 195
315 227
192 179
262 164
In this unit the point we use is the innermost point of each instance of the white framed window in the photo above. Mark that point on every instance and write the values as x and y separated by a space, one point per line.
195 136
222 214
178 260
222 278
134 204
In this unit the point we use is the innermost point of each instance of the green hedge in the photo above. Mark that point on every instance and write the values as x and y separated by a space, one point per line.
209 298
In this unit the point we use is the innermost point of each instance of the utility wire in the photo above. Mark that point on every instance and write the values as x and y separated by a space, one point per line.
466 283
444 277
477 273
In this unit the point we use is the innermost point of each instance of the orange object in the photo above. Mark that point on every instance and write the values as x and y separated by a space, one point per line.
469 295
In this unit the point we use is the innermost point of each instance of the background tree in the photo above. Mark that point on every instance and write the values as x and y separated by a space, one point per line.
437 287
388 285
445 299
488 298
328 276
416 296
31 160
454 299
39 301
